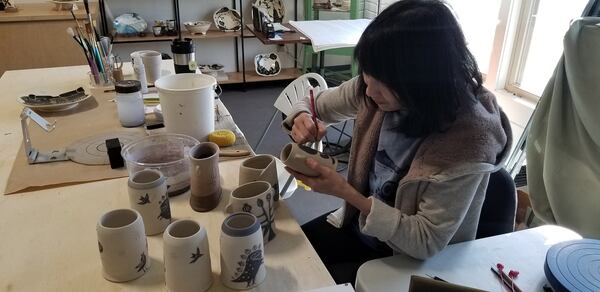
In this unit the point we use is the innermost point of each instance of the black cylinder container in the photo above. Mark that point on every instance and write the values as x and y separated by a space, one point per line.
183 55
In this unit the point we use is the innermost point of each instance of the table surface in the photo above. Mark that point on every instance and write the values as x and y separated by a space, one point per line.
48 236
469 263
291 37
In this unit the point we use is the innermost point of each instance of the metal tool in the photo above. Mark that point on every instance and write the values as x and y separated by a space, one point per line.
34 155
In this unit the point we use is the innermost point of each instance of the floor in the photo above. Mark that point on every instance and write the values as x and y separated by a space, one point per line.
252 109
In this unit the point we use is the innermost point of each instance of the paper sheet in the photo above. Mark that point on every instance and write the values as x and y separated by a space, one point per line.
332 34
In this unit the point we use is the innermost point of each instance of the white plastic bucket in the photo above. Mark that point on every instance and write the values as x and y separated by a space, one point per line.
187 102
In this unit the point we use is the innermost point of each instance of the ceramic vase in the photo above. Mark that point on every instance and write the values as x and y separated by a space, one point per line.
148 196
187 257
242 253
205 180
294 156
255 198
260 167
123 246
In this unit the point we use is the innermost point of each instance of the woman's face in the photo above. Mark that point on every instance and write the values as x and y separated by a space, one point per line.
385 99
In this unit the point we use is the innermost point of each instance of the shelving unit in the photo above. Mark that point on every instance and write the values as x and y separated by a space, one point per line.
240 76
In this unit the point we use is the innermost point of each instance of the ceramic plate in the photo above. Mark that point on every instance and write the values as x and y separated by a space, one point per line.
275 8
227 19
267 64
210 68
52 104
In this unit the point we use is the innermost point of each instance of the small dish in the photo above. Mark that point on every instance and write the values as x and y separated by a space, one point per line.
204 68
195 27
65 4
48 103
227 19
275 8
267 64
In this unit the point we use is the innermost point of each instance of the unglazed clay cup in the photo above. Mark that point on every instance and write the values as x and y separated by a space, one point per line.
205 179
123 246
242 252
187 257
148 195
255 198
260 167
294 156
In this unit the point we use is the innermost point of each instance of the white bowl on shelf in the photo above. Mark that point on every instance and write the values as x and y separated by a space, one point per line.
195 27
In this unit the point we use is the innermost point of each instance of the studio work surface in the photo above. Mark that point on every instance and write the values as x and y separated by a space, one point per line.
49 241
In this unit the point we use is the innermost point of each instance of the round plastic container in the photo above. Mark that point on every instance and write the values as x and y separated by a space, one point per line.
167 153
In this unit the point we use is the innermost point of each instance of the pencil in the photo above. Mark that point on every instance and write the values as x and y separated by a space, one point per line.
508 282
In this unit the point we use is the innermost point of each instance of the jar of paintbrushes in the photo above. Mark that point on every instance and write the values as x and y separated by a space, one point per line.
96 49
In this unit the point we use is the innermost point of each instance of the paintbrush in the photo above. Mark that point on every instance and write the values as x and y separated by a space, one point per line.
313 111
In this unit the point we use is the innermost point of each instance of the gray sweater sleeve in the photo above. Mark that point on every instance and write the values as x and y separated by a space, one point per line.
333 105
440 212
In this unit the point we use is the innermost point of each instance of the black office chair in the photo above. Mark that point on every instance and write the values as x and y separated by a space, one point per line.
499 207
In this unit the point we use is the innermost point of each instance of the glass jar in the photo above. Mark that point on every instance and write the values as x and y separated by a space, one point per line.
130 104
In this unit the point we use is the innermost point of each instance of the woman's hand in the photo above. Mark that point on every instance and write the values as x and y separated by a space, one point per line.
304 129
332 183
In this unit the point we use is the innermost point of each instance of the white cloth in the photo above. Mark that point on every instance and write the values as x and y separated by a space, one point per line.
332 34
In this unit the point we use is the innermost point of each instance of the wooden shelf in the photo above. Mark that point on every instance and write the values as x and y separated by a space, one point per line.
251 76
211 34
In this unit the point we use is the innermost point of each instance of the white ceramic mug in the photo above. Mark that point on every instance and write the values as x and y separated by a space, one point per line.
242 252
148 195
255 198
187 101
187 257
152 63
260 167
123 246
294 156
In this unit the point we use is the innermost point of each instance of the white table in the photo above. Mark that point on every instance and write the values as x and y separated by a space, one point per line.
48 237
469 263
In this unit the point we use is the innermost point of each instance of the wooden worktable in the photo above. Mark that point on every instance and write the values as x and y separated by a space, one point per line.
48 237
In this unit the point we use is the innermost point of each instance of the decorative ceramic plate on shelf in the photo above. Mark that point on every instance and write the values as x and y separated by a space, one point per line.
227 19
267 64
274 8
48 103
204 68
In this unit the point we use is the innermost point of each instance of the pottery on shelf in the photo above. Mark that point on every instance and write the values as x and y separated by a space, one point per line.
187 257
122 245
242 252
256 198
195 27
294 156
274 8
148 195
227 19
260 167
267 64
205 179
129 24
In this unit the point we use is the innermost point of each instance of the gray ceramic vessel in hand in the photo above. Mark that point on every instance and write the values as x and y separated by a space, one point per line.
294 156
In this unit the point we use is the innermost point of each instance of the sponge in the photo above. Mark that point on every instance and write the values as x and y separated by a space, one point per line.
222 138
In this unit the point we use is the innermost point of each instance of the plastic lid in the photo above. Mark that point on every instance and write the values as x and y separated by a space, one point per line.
128 86
182 46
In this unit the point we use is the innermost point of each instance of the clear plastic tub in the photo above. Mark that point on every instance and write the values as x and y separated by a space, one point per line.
167 153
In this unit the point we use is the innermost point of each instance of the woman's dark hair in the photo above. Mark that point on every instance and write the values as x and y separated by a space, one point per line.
417 49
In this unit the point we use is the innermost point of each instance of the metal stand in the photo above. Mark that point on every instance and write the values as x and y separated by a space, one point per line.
34 155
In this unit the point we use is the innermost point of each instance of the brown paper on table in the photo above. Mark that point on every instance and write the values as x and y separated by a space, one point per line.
94 116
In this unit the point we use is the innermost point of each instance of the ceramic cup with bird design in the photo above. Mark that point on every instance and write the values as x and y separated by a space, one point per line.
256 198
122 245
242 252
187 257
148 196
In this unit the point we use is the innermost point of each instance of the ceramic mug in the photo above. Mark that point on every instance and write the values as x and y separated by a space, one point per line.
205 179
187 257
294 156
148 195
152 64
255 198
242 252
123 246
260 167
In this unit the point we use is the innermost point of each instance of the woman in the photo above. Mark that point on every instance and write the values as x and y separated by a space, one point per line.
427 135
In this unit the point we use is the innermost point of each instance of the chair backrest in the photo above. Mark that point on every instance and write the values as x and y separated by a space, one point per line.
297 90
499 206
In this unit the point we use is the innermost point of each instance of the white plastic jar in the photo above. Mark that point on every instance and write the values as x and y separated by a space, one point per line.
130 104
